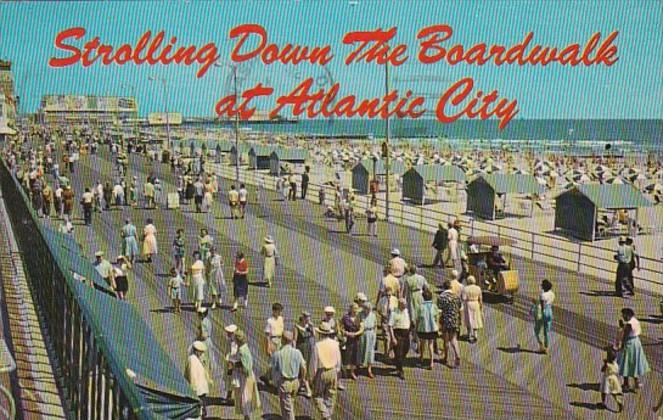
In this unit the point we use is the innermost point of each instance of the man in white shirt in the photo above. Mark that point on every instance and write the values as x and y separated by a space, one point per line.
397 264
233 199
87 202
59 204
325 366
273 333
243 199
118 195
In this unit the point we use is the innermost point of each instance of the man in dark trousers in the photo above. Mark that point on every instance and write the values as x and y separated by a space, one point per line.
305 179
632 265
623 257
440 244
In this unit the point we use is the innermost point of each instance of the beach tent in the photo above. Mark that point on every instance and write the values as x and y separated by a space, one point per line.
6 131
362 173
224 146
482 192
259 156
576 210
416 178
281 156
232 154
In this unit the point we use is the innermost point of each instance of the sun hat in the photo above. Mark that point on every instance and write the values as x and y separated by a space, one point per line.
329 310
231 329
199 346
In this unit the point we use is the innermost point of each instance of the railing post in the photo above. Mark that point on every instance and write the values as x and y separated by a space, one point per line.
532 257
579 255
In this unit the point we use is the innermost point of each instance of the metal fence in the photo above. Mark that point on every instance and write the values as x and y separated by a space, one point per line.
582 257
92 382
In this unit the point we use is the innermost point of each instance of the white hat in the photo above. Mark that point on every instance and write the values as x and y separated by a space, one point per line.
454 274
395 251
361 297
269 239
202 310
231 328
329 310
99 254
199 346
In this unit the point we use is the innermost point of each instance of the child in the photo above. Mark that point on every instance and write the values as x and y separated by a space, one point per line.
619 336
610 382
174 285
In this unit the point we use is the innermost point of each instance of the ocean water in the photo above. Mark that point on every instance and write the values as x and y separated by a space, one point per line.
639 134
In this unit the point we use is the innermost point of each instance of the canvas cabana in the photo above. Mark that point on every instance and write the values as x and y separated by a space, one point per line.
223 146
362 173
6 131
484 192
418 177
577 210
259 156
232 154
282 156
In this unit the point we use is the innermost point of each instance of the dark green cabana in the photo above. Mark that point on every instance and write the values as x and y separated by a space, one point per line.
259 156
232 154
576 210
280 156
416 178
362 173
482 192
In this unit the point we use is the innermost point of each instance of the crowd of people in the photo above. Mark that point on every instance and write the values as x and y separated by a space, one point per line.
312 358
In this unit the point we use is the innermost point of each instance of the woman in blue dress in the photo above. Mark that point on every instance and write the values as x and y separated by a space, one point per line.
129 242
368 339
632 360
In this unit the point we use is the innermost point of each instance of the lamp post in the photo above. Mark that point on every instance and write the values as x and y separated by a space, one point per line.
386 143
233 66
132 92
165 100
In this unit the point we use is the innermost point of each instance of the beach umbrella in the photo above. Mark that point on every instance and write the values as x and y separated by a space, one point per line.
570 185
584 178
521 172
637 177
654 187
615 180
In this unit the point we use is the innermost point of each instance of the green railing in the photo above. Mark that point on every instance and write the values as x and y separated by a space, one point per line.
93 383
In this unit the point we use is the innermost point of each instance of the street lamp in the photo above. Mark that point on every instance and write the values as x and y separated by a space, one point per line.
132 92
233 66
165 100
386 143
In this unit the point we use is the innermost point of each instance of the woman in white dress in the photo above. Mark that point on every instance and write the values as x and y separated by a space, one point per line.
472 308
217 282
198 280
269 266
149 241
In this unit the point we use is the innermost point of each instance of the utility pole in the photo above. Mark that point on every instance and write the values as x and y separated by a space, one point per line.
165 100
234 67
386 88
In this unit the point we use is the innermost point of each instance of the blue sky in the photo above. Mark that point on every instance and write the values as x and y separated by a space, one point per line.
632 88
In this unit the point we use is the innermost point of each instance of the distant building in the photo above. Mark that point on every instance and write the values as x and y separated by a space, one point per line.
86 109
8 99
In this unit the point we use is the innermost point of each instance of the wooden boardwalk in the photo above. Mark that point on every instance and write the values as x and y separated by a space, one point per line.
500 376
